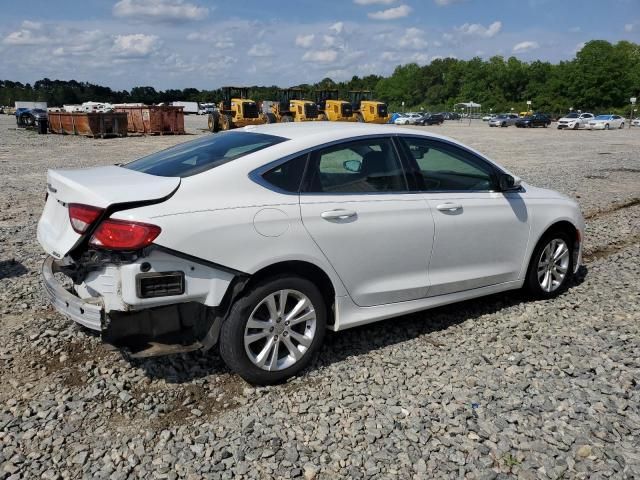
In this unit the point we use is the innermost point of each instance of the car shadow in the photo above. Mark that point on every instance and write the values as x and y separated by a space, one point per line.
11 268
338 346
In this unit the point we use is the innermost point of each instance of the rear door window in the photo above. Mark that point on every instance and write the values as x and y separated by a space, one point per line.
196 156
361 166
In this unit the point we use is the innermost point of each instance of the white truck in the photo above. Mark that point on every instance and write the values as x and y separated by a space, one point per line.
187 107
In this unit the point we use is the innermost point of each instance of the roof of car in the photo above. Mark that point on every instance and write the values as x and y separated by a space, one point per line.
334 130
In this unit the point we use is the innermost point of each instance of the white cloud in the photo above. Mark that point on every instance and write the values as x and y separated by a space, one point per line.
525 47
629 27
444 3
476 29
32 25
159 10
305 41
337 28
575 30
329 41
25 37
391 13
413 38
373 2
320 56
135 45
260 50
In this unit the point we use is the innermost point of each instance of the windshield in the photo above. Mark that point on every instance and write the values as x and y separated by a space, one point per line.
571 115
603 117
502 116
196 156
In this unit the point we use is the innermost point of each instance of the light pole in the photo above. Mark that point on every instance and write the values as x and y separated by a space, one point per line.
633 103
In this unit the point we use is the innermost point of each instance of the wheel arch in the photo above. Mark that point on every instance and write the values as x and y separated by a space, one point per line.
304 269
561 225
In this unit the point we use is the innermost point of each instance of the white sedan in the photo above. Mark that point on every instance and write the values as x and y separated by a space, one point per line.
408 119
260 239
606 122
635 122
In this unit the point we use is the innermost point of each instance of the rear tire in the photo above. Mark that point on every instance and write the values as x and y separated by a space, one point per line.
551 265
359 118
504 124
286 119
266 340
606 126
621 125
213 122
271 118
225 122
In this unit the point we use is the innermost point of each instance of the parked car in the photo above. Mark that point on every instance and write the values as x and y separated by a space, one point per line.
487 118
28 117
635 122
606 122
503 120
574 120
535 120
432 119
257 240
410 118
451 115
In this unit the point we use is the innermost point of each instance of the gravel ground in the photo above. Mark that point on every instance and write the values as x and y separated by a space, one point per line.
500 387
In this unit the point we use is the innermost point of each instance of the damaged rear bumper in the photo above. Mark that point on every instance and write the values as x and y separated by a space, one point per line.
150 329
88 314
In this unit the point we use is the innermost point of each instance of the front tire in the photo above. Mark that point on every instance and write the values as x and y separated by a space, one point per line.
621 125
551 265
274 329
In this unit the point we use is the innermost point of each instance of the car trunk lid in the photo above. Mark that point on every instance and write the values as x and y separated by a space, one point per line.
107 187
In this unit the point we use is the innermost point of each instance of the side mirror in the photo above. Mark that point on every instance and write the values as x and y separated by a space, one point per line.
508 183
352 165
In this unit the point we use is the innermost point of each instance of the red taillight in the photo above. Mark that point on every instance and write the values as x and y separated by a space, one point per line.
123 235
82 216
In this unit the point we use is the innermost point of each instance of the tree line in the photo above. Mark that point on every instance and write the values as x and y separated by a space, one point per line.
601 78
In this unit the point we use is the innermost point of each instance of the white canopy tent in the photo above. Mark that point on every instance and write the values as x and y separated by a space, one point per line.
470 107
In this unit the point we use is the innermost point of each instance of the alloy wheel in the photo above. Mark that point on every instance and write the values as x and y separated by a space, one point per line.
553 265
280 330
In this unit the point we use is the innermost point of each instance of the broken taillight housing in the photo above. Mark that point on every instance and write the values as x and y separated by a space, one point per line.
82 216
114 234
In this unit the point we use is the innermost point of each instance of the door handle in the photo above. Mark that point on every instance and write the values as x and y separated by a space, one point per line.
338 214
449 207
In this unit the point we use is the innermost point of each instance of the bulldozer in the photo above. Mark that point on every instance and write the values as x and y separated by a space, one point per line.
332 108
291 107
235 110
366 109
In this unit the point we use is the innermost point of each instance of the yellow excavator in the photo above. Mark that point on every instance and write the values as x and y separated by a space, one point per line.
292 107
235 110
332 108
366 109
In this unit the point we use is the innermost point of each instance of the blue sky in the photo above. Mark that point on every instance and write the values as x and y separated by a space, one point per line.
205 44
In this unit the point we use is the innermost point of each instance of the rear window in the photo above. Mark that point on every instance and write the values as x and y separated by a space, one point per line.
196 156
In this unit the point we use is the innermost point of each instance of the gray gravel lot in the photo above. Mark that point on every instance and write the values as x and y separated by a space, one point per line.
500 387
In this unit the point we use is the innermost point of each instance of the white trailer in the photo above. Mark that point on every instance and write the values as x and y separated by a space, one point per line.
42 105
187 107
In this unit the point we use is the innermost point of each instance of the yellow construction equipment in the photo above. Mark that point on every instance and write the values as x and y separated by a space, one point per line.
366 109
332 108
235 110
292 107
